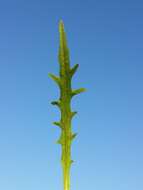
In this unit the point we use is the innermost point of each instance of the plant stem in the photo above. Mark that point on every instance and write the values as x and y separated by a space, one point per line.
64 104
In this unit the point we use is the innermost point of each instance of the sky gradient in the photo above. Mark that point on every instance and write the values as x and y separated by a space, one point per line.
106 40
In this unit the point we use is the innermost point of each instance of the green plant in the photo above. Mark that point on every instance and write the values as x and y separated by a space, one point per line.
64 104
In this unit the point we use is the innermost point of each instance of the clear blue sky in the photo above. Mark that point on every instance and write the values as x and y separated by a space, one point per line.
106 39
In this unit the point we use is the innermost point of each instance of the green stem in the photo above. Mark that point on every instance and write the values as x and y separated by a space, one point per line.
64 104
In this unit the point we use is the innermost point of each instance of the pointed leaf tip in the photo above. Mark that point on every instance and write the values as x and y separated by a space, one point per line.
61 21
61 26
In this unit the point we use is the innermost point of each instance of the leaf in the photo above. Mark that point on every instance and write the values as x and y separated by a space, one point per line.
73 70
71 161
73 136
55 78
56 103
73 114
57 124
77 91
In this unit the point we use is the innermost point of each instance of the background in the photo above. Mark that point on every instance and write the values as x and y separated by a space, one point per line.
106 39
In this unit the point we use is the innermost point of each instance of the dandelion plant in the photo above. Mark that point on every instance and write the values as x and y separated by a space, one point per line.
64 104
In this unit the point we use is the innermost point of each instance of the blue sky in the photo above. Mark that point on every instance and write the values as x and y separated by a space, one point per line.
105 38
